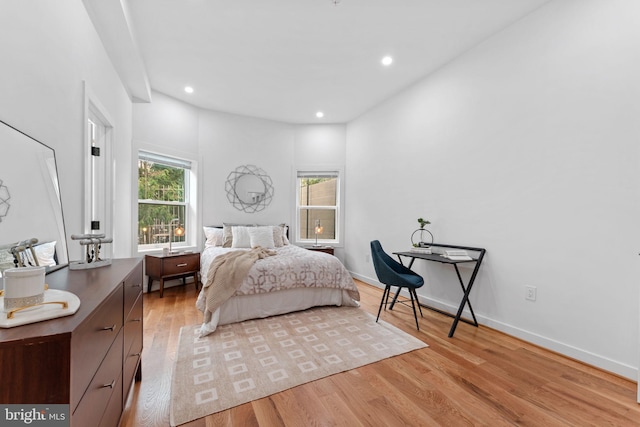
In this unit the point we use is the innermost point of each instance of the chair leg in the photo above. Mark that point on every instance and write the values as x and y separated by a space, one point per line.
413 305
383 301
415 294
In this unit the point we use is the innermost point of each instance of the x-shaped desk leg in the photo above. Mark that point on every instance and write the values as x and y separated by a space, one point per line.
465 300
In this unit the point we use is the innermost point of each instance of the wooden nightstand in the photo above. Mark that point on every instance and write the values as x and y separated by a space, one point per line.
172 266
325 249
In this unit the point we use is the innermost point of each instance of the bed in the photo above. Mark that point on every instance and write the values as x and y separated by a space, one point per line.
291 280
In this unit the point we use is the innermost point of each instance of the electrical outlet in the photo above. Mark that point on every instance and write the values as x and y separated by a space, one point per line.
367 258
531 292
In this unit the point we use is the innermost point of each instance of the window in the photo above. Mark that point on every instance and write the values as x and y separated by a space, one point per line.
318 206
163 200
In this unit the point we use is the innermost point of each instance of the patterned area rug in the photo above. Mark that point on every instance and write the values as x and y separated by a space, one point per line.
249 360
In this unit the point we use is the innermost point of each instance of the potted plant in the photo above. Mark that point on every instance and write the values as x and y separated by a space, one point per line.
422 234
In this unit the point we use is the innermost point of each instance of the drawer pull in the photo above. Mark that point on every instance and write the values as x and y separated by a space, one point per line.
109 328
136 285
136 320
136 354
182 265
109 385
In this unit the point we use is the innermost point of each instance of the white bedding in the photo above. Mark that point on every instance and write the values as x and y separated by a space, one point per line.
295 279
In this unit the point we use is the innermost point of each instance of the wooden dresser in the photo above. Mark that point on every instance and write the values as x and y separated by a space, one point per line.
87 360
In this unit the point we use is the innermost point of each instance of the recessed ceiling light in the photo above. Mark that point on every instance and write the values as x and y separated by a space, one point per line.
319 114
387 60
188 89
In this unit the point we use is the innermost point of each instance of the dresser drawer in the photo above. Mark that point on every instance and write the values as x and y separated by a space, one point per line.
112 414
132 289
131 361
181 264
91 341
106 382
133 327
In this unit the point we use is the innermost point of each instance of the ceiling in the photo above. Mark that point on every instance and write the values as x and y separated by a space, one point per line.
287 59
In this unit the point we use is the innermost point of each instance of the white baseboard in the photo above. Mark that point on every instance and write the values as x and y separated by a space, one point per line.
601 362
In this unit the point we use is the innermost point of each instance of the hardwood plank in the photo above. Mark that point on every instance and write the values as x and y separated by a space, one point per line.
479 377
266 412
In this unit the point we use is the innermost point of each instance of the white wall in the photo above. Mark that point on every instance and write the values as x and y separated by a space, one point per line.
221 142
48 50
228 141
166 124
320 145
526 145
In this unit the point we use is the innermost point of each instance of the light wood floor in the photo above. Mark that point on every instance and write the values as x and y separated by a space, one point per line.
478 377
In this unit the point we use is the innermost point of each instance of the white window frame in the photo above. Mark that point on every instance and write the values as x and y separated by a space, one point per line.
320 171
189 205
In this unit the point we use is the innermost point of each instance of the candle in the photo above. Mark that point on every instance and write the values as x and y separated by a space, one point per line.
23 287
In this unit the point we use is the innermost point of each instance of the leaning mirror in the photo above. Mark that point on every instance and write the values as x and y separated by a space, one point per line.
30 204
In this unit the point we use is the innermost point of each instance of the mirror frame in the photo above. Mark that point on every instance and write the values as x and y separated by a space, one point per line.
258 201
31 172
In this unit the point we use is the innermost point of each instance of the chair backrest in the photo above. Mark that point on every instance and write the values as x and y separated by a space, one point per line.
388 269
380 259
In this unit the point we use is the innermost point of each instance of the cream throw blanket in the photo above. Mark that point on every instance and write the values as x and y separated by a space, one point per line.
226 275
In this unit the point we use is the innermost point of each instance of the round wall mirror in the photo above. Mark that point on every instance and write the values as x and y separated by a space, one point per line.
249 188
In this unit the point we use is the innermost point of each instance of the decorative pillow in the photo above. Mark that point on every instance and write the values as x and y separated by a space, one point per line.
261 236
277 236
240 237
227 236
6 260
45 253
214 236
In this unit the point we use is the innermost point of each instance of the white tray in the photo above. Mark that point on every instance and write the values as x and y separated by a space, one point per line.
42 312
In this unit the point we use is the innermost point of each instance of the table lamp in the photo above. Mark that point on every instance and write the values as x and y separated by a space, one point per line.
177 231
318 230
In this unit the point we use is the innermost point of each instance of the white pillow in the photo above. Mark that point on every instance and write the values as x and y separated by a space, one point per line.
45 253
261 236
279 234
240 237
227 237
6 261
213 235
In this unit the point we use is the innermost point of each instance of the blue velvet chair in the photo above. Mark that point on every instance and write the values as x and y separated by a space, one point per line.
391 273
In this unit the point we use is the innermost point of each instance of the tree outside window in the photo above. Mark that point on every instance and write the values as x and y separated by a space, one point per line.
162 199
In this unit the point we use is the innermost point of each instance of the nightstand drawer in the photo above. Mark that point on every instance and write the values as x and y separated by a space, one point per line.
325 249
181 264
